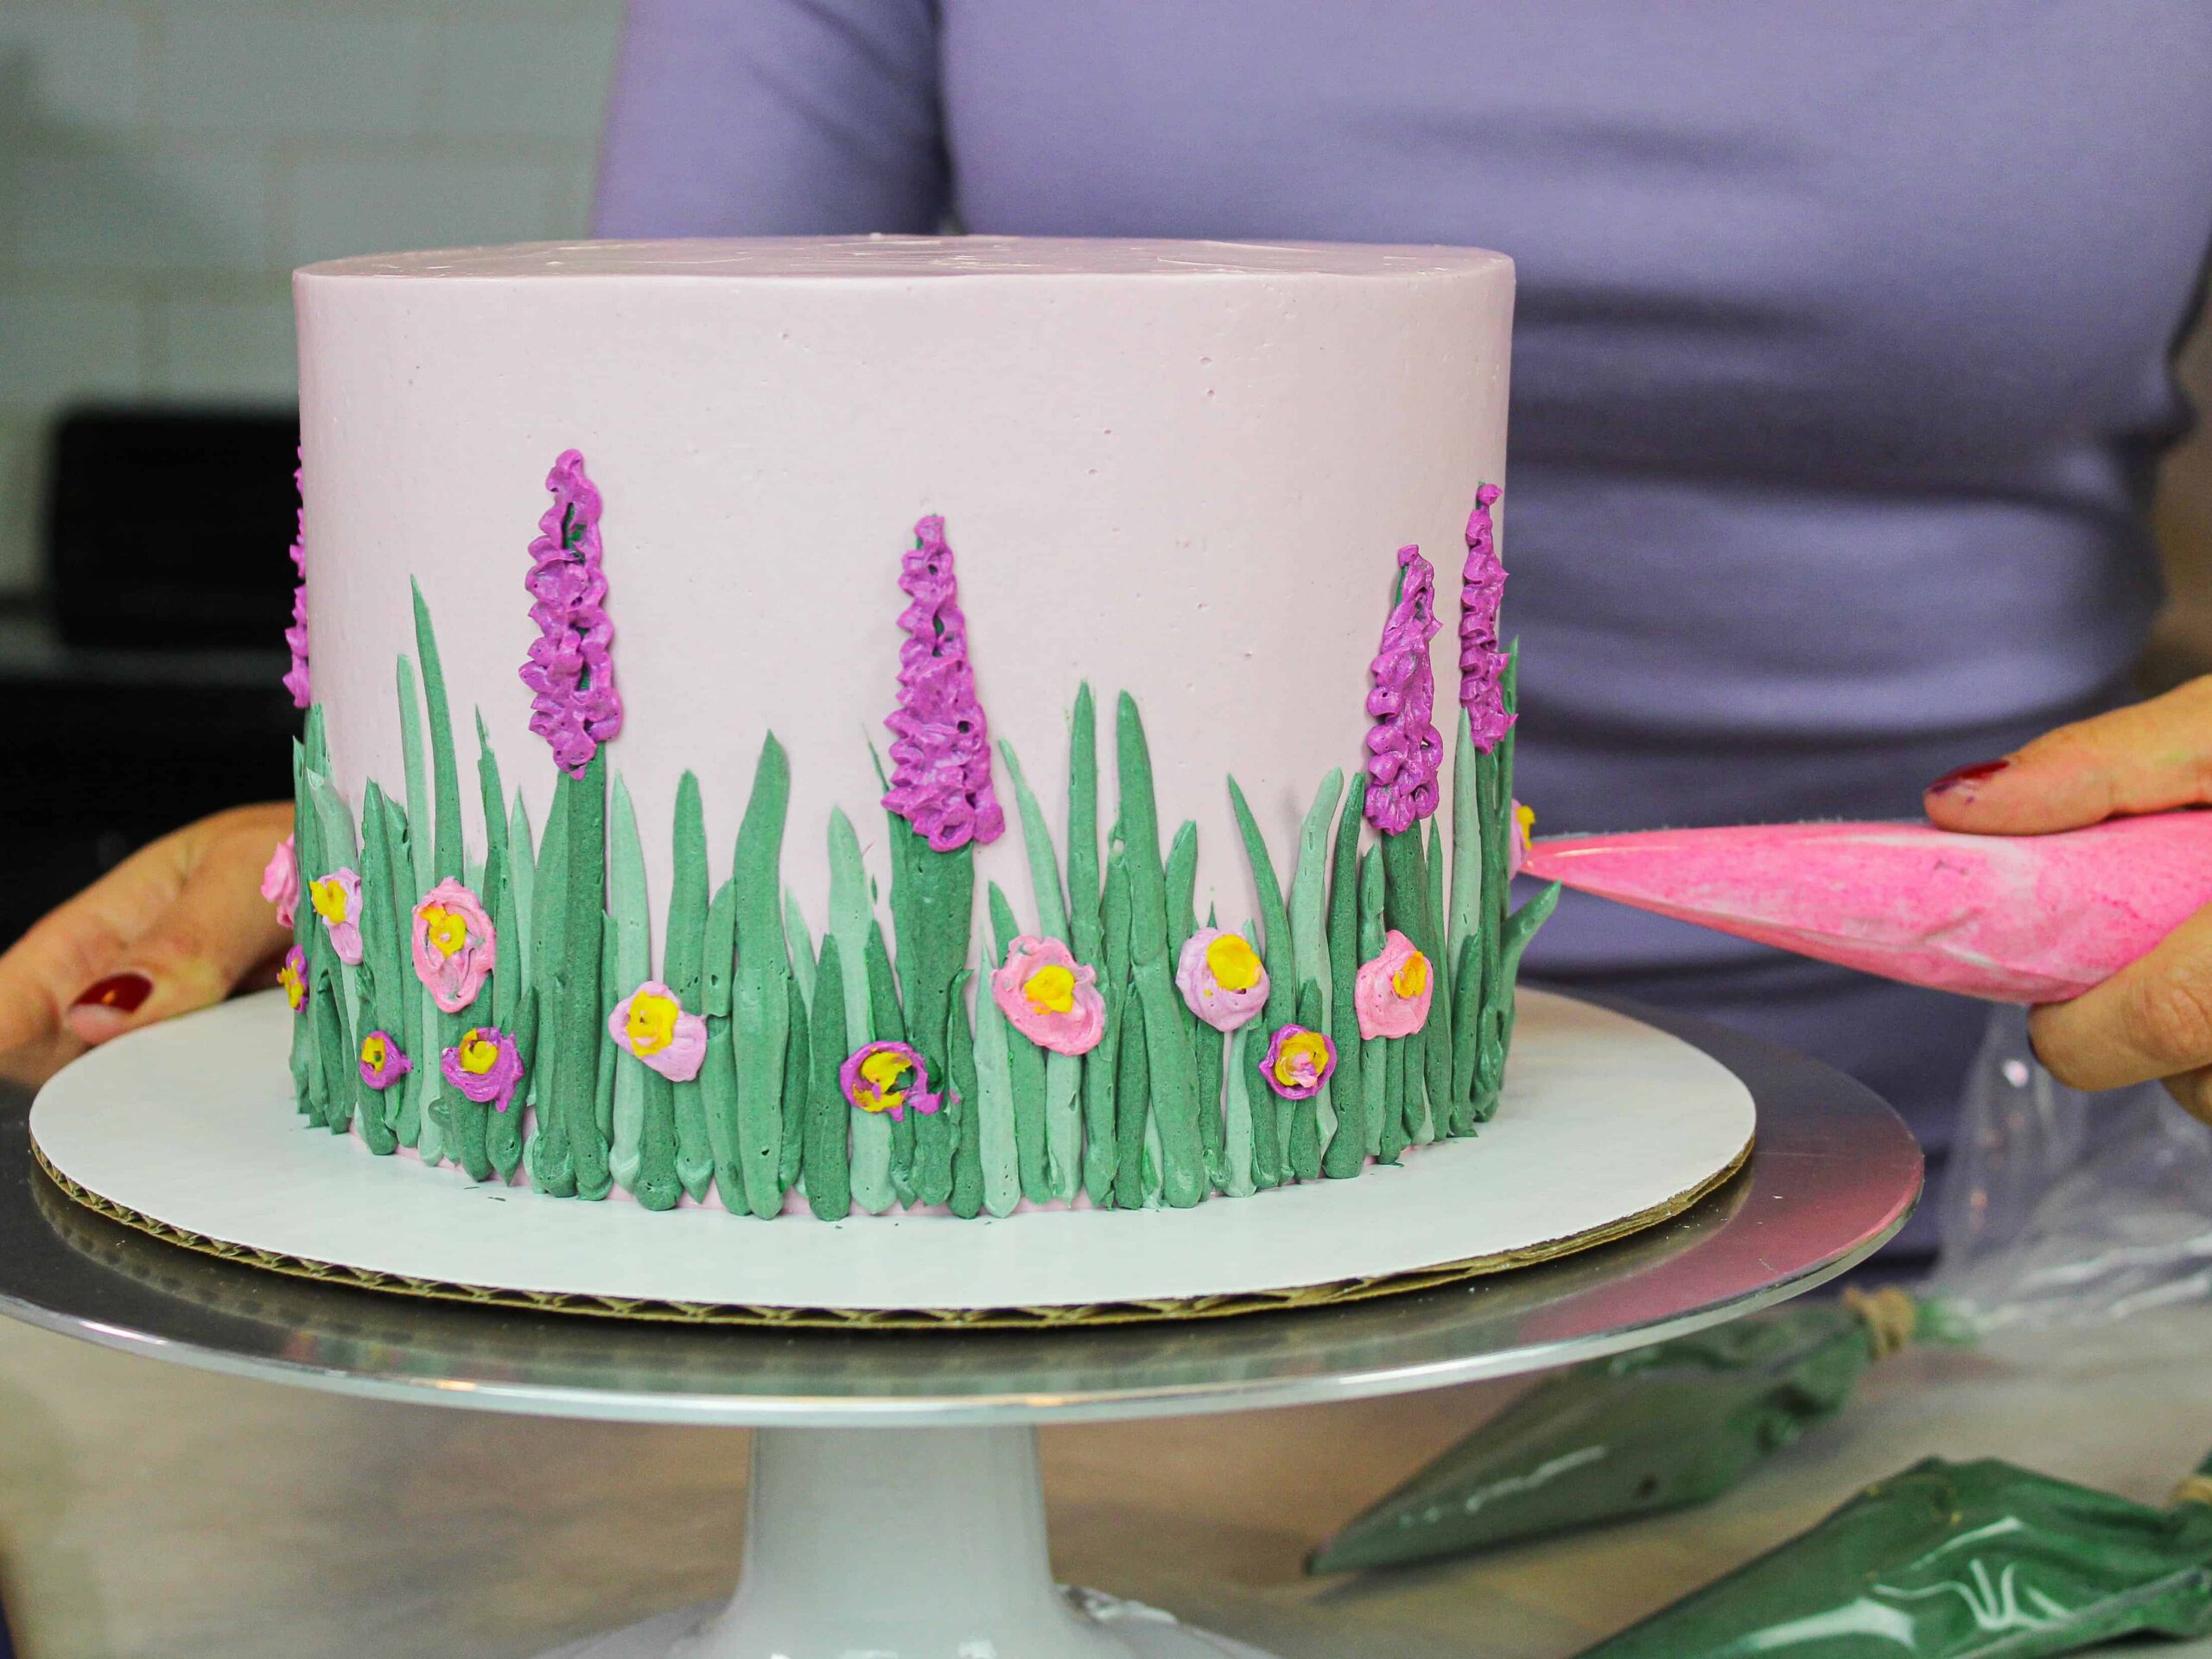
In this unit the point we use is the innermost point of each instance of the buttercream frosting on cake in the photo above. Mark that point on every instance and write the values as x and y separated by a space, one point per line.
781 599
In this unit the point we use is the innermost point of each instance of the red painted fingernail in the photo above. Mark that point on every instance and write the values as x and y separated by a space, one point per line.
126 993
1981 771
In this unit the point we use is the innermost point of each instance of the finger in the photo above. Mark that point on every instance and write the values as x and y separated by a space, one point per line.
2153 1018
215 930
2193 1090
30 1067
2147 757
78 941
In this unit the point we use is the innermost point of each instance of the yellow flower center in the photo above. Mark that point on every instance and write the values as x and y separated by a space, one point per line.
1526 817
1302 1059
1235 965
885 1074
1411 977
447 930
296 988
373 1052
328 899
1051 989
478 1054
652 1024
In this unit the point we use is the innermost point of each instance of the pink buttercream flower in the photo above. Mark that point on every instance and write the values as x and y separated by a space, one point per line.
1052 998
571 666
1403 746
297 678
652 1024
889 1077
293 976
1221 977
1298 1062
941 746
454 950
1392 993
382 1062
484 1065
280 882
337 901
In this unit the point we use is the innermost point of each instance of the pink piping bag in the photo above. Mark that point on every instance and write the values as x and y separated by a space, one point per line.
2012 918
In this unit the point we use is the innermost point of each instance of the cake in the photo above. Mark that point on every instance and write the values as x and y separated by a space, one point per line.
825 727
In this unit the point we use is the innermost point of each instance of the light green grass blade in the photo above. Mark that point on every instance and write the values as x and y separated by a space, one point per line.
850 914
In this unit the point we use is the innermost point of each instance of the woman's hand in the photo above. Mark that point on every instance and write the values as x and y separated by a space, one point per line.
2153 1019
177 926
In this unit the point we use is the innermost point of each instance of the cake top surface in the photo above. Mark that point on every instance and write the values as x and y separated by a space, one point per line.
908 258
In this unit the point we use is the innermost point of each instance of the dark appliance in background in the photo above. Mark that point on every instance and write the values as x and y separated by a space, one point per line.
143 685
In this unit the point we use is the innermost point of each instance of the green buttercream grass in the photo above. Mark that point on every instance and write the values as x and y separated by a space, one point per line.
459 1119
1063 1107
800 1079
761 997
718 1072
1374 1055
828 1162
508 990
851 917
967 1200
684 969
1267 1140
998 1134
1346 1152
337 849
1086 930
887 1024
1166 1110
634 965
1308 1122
384 976
1171 1072
1025 1074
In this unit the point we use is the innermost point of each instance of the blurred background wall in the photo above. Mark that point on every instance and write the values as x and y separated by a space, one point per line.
166 163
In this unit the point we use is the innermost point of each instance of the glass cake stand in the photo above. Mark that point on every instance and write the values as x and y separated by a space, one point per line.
932 1436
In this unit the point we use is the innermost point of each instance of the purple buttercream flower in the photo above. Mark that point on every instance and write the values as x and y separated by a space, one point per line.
485 1066
1481 665
1299 1061
577 708
296 680
941 752
382 1062
889 1077
1402 745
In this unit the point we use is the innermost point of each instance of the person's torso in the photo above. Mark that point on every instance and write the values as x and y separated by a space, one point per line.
1842 330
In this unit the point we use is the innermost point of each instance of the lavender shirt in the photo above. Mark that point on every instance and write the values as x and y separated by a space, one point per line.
1842 354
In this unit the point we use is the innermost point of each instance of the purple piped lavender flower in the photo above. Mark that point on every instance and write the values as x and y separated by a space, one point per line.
570 669
297 679
1403 746
1482 591
941 748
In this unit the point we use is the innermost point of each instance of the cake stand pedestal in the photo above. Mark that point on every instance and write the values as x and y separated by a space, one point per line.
895 1510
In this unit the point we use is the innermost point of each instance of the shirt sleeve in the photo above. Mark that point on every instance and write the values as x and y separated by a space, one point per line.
774 118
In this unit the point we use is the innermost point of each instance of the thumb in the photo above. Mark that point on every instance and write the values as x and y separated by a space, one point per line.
215 931
2149 757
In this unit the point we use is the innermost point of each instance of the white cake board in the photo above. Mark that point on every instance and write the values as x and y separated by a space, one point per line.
1607 1123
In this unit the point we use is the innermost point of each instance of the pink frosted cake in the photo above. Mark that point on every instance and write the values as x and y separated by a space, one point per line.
822 726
